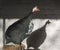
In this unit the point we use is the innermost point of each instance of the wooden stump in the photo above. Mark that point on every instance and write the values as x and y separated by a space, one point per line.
11 47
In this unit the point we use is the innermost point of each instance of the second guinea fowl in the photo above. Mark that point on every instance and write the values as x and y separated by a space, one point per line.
37 37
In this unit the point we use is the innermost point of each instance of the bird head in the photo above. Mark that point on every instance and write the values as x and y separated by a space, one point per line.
48 22
36 9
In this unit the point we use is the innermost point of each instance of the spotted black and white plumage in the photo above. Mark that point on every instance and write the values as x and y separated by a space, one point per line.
37 37
16 32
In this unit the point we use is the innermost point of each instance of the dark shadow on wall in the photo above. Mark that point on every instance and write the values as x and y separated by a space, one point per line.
20 8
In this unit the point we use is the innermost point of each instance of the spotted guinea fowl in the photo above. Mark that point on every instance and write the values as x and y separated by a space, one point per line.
37 37
16 32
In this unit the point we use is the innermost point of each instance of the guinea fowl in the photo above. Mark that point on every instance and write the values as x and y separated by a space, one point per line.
16 32
37 37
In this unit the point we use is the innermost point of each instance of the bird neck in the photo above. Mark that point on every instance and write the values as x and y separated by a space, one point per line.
45 24
28 16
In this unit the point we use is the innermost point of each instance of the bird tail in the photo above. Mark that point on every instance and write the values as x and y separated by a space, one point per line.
7 39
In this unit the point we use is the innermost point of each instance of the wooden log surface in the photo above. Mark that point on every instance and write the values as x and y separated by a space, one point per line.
12 47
